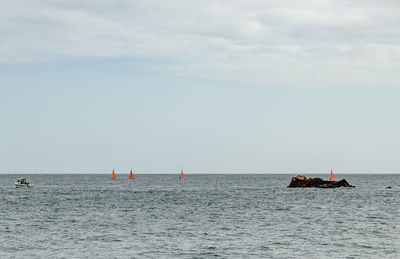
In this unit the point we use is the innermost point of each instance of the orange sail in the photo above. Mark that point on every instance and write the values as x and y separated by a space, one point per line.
113 174
182 175
131 175
332 175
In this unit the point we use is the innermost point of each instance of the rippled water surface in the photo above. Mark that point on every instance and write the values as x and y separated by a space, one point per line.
228 216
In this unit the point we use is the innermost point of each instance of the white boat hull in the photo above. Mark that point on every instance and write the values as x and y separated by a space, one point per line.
18 185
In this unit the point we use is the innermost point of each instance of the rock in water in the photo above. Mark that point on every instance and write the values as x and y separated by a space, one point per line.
301 181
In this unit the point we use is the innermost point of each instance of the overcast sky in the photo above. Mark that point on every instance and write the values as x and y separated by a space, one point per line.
213 86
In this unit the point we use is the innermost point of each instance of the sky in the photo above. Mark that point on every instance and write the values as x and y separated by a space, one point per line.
213 86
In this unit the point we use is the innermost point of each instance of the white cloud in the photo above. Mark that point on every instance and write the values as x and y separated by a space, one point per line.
270 43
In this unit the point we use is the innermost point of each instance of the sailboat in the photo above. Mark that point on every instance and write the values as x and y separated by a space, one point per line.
113 174
332 175
131 175
181 175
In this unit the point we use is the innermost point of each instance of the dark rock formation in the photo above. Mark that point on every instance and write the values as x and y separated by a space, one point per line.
301 181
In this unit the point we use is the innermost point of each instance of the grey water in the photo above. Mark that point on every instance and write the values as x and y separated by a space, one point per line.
201 216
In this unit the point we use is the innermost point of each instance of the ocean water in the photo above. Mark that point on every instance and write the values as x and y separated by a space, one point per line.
202 216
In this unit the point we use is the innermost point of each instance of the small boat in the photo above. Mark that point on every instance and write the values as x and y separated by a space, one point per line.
113 175
332 175
181 175
131 175
22 182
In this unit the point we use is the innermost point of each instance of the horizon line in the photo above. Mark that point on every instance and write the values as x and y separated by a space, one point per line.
190 172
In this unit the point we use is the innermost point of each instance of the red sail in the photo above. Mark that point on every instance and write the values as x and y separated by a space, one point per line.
113 174
131 175
182 175
332 175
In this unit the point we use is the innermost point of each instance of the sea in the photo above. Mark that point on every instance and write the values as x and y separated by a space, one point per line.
200 216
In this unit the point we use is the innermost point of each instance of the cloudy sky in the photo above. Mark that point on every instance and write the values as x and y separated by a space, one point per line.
215 86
